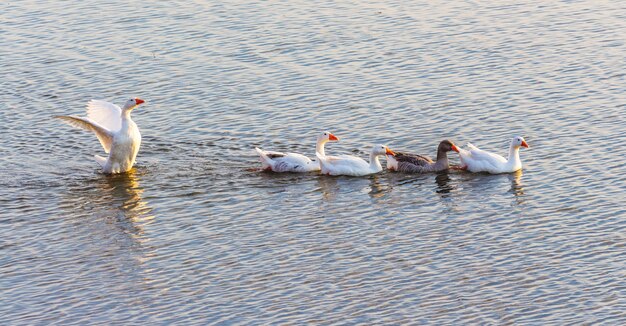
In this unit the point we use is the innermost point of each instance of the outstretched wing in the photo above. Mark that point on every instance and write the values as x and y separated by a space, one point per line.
104 135
106 114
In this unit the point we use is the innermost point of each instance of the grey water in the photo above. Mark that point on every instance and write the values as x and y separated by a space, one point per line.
196 234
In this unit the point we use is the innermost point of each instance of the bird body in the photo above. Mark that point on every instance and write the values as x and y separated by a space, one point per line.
352 165
474 159
116 131
286 162
414 163
294 162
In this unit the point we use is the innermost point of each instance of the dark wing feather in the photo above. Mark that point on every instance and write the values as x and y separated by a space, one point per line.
274 155
414 159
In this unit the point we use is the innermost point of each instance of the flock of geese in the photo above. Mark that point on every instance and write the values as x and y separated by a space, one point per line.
473 159
121 139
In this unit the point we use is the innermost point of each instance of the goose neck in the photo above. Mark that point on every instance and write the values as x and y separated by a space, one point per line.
126 114
319 147
514 154
442 156
375 162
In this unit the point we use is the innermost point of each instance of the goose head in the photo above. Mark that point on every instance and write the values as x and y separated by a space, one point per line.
132 103
446 146
518 142
382 150
326 137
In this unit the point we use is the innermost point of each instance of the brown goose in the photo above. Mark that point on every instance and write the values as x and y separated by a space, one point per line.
414 163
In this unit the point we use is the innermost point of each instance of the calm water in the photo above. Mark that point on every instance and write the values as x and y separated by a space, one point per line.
196 235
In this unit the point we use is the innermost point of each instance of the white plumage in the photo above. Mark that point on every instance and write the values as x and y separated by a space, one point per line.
105 114
115 130
477 160
294 162
352 165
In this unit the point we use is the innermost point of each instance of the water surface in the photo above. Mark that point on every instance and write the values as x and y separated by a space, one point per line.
196 235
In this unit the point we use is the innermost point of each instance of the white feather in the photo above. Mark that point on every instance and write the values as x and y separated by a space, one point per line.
287 162
116 131
294 162
352 165
105 114
477 160
104 135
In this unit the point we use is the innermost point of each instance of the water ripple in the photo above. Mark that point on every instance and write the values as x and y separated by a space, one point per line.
197 234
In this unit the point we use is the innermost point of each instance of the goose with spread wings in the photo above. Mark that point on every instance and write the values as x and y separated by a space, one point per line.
115 130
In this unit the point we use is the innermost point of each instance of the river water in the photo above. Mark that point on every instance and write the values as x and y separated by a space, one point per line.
197 235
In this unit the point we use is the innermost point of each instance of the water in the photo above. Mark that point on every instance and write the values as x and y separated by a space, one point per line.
196 235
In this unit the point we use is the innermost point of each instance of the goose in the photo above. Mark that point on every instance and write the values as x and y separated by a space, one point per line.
476 160
293 162
115 130
352 165
414 163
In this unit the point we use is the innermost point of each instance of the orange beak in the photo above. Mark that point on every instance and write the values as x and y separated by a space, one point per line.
524 144
454 148
389 152
139 101
332 137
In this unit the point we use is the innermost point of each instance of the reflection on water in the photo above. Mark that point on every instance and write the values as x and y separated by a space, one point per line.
375 186
492 184
444 187
377 189
279 182
231 245
116 200
517 188
126 195
328 187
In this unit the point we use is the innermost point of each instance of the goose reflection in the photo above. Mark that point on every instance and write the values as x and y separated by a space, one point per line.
376 189
126 196
109 218
328 187
517 188
444 187
110 202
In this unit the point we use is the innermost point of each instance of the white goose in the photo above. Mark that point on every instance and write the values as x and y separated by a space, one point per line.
352 165
293 162
116 131
476 160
